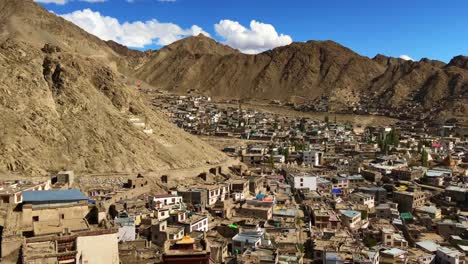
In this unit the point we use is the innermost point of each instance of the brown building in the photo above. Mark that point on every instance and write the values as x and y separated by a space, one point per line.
54 211
326 219
259 212
406 174
408 201
97 246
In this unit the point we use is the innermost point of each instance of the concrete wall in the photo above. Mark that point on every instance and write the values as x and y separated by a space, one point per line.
97 249
127 233
128 194
10 244
309 182
53 215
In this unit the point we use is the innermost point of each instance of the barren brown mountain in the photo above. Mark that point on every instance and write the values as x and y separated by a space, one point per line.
64 105
310 70
67 97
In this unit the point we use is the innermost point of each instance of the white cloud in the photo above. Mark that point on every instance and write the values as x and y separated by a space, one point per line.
62 2
406 58
258 38
132 34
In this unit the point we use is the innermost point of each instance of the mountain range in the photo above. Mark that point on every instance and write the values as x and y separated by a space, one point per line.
311 70
68 99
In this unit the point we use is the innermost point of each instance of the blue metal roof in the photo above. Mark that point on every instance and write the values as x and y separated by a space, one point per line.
53 196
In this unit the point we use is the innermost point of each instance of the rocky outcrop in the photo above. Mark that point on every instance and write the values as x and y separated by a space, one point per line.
64 105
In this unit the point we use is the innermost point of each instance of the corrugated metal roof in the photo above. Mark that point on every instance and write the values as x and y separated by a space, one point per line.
53 195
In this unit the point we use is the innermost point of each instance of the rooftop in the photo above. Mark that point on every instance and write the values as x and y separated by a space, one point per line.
53 196
428 245
394 252
450 251
350 213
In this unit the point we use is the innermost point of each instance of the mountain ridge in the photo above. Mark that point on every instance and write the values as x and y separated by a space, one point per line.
310 70
66 104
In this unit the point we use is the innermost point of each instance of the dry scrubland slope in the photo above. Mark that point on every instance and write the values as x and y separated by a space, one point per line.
66 106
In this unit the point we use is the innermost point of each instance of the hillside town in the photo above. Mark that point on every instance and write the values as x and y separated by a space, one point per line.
300 191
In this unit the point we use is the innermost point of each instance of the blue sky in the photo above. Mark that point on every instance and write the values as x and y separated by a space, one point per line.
432 28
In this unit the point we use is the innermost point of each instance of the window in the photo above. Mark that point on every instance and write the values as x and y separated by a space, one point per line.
173 200
35 218
62 216
302 185
302 179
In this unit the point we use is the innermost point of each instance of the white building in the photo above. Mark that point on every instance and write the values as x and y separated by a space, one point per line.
166 201
278 158
351 219
97 248
197 222
364 199
249 239
312 157
303 181
217 193
448 255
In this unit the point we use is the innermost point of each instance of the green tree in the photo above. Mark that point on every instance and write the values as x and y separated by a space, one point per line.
302 127
424 158
298 146
382 142
272 161
364 214
285 153
369 241
275 125
393 138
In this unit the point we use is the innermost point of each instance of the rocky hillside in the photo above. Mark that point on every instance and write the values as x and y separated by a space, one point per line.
310 70
64 105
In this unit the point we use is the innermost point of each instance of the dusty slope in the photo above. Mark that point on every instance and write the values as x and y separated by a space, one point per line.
301 69
310 70
64 106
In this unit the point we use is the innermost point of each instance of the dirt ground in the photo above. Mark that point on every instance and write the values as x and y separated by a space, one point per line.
222 142
360 120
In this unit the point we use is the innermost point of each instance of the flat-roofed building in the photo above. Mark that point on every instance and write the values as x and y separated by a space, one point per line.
447 255
393 256
93 247
351 218
165 201
302 181
388 211
53 211
363 199
408 201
